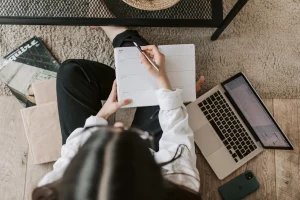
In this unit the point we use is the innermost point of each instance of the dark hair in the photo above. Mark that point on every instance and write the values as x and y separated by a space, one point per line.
111 166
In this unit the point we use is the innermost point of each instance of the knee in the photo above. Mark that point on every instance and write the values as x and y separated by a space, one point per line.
67 72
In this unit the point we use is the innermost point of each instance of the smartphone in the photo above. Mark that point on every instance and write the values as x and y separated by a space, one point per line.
239 187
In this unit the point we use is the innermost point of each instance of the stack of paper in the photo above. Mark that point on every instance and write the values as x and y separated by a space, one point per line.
41 123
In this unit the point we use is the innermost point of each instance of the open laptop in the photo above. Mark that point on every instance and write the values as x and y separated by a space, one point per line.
232 125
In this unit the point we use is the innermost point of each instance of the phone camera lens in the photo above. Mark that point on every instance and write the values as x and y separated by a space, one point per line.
249 176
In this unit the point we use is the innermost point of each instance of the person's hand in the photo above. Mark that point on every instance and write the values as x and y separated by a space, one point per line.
112 105
159 59
199 83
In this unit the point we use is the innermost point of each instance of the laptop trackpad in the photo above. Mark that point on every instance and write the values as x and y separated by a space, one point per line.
207 140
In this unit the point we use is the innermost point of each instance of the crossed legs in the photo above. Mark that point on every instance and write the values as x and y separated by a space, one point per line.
82 84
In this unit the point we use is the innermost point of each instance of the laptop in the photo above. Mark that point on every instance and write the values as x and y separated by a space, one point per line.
232 125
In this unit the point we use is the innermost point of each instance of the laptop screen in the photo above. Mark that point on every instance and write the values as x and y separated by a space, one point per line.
255 113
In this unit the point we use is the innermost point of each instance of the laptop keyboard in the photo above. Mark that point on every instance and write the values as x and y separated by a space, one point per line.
227 125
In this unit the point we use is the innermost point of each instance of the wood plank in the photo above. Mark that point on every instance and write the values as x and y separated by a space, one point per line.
13 145
263 166
209 182
34 174
287 113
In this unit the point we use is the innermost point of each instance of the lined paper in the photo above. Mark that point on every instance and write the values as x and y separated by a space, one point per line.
134 82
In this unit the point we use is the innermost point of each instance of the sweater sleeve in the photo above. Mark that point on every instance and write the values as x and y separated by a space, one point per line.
173 119
77 138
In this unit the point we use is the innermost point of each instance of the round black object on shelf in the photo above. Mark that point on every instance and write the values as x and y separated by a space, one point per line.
185 9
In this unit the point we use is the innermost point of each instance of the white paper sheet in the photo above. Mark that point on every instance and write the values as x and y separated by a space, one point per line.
20 76
135 83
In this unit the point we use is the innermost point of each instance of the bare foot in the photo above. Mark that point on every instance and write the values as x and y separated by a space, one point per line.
112 31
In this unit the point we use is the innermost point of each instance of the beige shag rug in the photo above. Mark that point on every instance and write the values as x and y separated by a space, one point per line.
263 42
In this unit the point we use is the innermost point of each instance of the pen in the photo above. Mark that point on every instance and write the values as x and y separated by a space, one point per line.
150 61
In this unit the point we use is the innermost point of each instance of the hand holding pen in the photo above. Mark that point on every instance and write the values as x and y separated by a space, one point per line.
146 56
158 59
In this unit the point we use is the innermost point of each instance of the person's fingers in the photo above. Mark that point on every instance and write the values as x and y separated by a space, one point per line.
199 83
118 125
160 57
153 52
149 53
123 103
148 47
152 48
201 80
145 61
147 64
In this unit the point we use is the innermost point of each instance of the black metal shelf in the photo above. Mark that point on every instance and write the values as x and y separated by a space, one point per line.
187 13
107 21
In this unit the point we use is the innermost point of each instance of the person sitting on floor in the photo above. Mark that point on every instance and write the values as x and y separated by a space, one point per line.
103 162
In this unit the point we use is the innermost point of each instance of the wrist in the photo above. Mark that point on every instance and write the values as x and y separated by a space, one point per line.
103 115
163 82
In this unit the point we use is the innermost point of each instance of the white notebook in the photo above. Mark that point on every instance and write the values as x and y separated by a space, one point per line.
135 83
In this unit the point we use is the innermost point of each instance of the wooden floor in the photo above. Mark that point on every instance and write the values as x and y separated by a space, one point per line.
277 171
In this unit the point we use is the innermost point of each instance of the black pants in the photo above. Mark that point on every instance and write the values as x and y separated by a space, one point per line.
82 84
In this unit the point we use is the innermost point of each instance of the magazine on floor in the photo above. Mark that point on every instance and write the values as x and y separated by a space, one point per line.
19 77
34 53
29 63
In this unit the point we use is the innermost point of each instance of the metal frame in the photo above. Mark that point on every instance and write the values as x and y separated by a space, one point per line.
227 20
109 21
217 20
